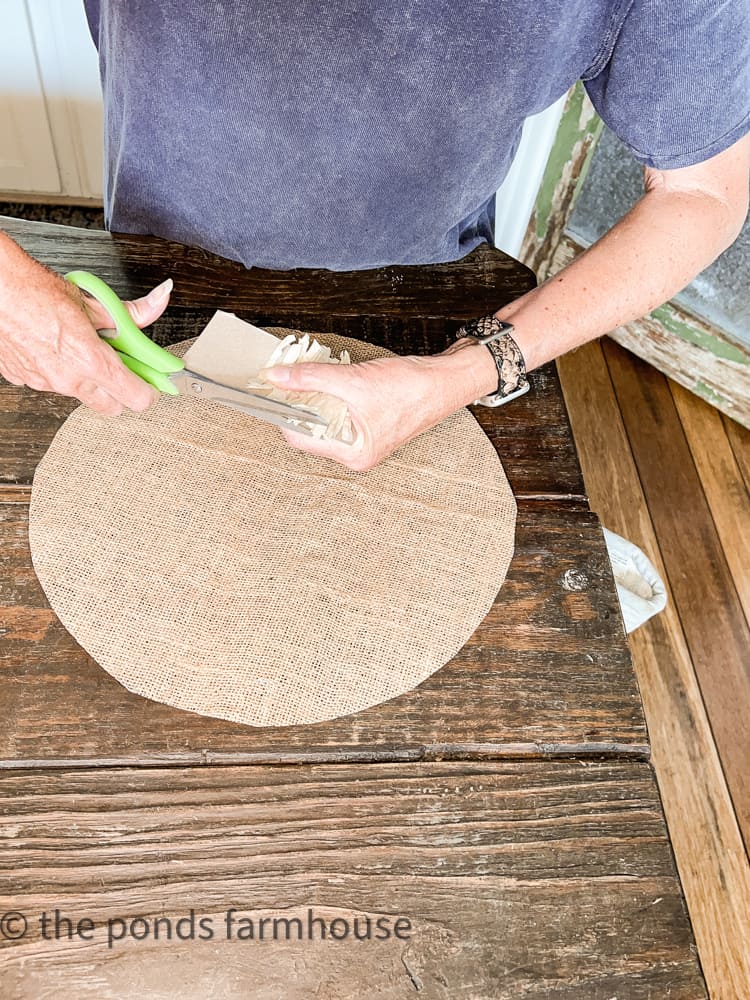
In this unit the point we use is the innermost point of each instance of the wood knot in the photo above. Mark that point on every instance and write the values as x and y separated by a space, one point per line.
574 579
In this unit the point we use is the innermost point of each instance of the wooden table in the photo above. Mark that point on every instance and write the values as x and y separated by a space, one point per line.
505 810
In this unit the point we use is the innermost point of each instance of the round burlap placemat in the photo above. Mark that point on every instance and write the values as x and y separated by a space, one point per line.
205 564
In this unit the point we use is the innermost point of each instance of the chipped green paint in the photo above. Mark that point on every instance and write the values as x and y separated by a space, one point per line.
577 123
672 321
710 395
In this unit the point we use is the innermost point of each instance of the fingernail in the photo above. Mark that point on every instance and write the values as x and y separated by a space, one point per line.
161 291
279 375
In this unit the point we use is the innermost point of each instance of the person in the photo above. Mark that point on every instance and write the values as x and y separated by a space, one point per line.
356 135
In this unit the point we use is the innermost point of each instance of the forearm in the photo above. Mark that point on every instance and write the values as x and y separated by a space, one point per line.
646 258
685 220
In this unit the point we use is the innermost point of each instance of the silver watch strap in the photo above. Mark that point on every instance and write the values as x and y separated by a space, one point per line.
509 361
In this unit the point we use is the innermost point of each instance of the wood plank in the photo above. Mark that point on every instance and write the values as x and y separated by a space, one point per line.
725 489
481 282
703 828
717 633
739 438
515 879
14 494
547 672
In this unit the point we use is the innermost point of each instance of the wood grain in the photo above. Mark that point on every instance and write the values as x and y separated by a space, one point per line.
726 492
568 164
716 630
703 828
739 438
516 879
548 672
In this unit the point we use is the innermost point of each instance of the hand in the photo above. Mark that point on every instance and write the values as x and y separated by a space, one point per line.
390 400
48 337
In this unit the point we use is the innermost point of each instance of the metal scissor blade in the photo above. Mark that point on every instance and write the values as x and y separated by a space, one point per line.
255 403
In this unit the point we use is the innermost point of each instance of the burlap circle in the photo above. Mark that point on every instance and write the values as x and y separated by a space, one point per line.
205 564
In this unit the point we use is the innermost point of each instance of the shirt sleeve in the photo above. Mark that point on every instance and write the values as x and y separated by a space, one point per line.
675 85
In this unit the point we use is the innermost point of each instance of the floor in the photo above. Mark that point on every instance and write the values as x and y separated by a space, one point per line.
672 474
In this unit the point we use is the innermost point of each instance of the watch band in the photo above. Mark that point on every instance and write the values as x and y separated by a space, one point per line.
511 367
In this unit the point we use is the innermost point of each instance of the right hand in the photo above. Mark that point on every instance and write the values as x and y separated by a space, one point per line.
49 339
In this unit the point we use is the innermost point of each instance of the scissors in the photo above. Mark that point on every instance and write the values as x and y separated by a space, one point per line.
168 374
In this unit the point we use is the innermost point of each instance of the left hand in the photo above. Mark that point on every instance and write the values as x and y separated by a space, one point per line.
390 400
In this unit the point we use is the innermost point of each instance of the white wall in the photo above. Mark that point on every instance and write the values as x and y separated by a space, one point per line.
516 198
50 100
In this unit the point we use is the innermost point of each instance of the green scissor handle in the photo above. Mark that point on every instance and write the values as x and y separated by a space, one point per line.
137 351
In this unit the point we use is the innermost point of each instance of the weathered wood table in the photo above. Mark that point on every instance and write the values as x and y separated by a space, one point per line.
501 821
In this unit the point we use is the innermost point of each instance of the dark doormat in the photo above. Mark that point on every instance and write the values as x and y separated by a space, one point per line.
84 217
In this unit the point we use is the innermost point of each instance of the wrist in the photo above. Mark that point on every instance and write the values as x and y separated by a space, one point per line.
530 328
496 336
471 370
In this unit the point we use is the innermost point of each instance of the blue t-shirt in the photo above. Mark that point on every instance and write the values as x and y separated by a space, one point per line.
351 134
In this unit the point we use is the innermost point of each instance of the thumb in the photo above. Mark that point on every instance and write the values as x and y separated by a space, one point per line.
310 376
144 310
150 307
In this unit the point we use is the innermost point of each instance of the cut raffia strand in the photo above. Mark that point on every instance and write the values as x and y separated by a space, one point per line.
292 351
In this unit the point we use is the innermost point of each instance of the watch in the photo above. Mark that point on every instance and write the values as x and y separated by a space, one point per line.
511 367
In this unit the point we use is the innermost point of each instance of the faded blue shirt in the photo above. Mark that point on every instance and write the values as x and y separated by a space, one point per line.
349 135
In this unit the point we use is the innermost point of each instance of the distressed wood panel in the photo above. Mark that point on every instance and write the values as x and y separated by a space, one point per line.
577 135
522 879
547 672
480 282
707 842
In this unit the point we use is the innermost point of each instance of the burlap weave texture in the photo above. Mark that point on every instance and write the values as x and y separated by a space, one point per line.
206 564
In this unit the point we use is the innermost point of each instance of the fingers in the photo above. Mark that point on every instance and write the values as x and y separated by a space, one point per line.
117 382
311 376
86 390
347 382
120 383
36 382
17 374
12 374
117 388
88 361
315 446
109 398
336 380
98 399
49 342
354 457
